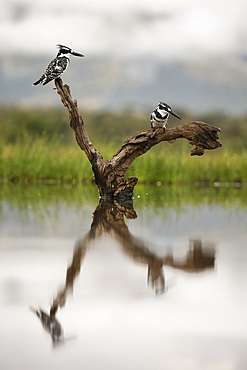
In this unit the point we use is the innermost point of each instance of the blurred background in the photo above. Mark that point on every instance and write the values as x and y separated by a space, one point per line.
190 54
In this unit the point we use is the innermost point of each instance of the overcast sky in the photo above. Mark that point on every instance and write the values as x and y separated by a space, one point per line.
167 29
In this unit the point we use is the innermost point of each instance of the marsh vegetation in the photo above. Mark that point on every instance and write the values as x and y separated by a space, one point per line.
39 146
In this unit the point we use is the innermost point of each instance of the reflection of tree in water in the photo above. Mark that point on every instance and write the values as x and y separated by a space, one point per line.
109 218
50 324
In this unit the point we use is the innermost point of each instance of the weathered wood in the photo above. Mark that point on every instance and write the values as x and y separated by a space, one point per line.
109 175
109 218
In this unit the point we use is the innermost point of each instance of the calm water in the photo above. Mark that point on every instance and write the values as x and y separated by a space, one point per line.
101 286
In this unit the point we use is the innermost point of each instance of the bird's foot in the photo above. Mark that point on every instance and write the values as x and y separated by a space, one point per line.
153 133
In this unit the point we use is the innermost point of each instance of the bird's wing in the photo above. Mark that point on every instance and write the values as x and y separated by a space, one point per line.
55 68
62 64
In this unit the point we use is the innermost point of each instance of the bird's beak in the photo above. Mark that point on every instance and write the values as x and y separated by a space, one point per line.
175 114
76 54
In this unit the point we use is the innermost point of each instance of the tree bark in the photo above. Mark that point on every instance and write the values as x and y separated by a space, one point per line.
109 175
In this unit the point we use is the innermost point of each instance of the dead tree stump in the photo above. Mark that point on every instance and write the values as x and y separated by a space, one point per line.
109 175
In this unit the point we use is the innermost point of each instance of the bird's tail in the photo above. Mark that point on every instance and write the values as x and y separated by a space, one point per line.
36 311
39 81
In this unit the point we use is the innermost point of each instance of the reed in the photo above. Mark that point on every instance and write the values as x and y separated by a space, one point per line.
43 159
179 168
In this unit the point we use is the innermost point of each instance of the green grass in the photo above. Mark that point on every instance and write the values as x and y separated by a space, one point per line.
178 167
39 146
31 160
45 159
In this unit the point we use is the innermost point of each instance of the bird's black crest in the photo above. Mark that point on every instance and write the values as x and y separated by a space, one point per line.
164 106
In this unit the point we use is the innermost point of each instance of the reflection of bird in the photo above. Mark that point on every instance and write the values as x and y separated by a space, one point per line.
156 277
159 116
58 65
50 324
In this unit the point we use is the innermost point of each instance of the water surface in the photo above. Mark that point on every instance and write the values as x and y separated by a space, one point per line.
160 286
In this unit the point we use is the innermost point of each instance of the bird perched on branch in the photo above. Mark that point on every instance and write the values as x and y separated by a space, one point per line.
58 65
159 116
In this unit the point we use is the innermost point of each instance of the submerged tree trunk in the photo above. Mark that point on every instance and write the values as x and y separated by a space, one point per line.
109 175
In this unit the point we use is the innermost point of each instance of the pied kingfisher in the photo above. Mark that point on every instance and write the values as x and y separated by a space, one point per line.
58 65
159 116
50 324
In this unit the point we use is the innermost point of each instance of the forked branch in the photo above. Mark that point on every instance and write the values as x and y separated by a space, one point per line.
110 174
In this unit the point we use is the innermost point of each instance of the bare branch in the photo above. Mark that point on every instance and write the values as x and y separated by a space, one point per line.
76 121
110 175
200 134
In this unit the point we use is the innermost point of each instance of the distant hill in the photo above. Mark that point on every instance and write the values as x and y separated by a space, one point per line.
111 84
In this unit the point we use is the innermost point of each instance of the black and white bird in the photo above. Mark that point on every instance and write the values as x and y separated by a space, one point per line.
58 65
50 323
159 116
